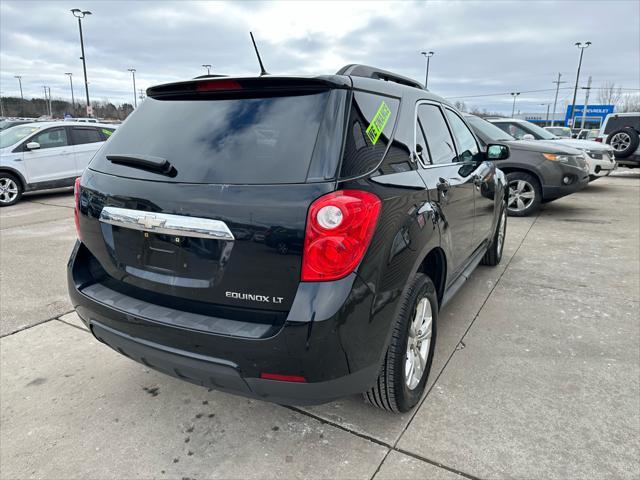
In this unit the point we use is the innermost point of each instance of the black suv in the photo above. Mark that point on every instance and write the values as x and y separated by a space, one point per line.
286 238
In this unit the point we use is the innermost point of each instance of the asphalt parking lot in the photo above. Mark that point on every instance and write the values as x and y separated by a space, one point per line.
536 372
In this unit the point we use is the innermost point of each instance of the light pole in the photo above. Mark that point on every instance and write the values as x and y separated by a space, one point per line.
547 119
133 74
73 101
428 56
208 67
19 77
50 105
581 46
513 109
79 14
586 102
1 106
46 102
555 101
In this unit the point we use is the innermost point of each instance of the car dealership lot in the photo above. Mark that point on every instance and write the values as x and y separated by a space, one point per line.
536 371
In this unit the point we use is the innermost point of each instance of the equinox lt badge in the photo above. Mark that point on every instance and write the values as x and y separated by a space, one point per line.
253 297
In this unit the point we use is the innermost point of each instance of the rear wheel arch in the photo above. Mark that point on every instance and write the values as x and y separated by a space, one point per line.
434 265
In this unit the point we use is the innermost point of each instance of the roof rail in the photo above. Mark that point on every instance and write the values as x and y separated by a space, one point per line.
357 70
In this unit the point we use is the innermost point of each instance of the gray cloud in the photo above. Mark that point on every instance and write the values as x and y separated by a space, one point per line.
481 47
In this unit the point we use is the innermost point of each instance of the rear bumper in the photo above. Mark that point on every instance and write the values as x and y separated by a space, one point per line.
317 341
226 376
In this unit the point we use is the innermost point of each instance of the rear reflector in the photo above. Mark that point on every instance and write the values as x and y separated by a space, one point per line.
216 85
283 378
340 226
76 206
598 139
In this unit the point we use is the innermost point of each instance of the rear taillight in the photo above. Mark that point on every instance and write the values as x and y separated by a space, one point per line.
76 206
340 226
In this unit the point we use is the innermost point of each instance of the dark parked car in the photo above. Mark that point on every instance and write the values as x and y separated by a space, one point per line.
381 181
537 171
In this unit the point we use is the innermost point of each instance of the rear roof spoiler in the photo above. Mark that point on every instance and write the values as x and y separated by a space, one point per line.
243 86
366 71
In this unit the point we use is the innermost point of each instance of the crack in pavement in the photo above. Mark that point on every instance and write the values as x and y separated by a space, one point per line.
27 327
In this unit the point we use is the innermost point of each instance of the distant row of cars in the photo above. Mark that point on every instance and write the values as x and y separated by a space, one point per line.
620 130
44 155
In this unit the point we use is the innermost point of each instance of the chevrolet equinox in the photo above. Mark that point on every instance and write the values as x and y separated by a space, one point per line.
290 239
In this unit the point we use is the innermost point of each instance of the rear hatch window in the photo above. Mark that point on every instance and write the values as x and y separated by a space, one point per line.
241 141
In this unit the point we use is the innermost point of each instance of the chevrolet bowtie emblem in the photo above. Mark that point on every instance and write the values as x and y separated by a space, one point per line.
151 222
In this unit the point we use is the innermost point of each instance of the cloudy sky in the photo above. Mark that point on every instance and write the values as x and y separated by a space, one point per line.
481 48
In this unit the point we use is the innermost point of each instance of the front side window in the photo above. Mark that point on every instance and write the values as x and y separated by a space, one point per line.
439 141
468 150
55 137
86 135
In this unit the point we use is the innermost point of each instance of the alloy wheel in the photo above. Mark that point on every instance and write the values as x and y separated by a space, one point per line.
620 141
8 190
521 195
418 343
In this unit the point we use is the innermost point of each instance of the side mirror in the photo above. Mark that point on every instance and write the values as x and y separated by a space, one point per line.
528 136
496 151
33 146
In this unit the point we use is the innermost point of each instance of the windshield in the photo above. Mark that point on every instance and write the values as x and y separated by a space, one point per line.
488 130
520 129
14 135
537 131
560 131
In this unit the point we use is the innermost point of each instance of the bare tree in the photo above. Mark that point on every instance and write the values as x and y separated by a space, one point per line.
460 106
609 94
630 102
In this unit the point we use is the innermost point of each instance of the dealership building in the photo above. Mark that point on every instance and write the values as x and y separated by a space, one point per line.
593 119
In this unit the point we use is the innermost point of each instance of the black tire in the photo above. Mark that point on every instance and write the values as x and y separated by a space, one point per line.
494 253
10 189
533 186
624 141
391 391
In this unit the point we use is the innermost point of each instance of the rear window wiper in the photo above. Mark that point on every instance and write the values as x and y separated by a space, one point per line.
145 162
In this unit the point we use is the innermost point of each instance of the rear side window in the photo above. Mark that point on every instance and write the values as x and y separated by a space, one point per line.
229 141
86 135
106 132
369 129
614 123
439 141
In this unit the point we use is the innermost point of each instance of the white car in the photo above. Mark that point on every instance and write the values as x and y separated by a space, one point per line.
599 157
43 155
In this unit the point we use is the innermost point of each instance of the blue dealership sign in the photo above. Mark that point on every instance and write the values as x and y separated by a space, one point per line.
593 111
